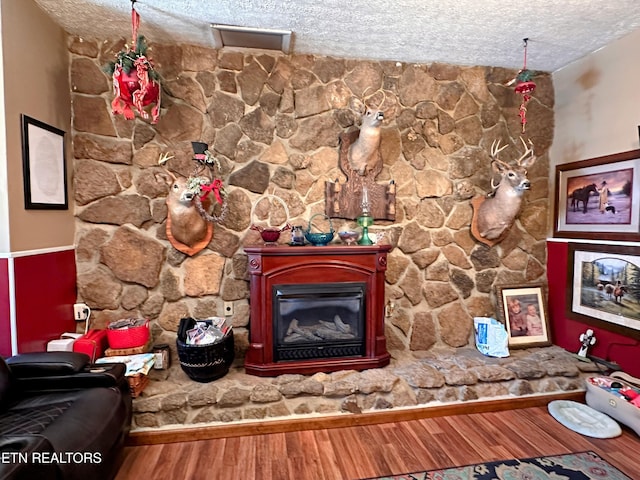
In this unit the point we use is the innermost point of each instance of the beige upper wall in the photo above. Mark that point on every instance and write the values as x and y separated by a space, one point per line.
597 103
597 109
36 83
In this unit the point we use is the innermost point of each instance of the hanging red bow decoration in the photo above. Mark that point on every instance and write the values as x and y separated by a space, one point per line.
216 187
524 86
135 82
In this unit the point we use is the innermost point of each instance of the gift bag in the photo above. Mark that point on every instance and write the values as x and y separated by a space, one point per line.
492 338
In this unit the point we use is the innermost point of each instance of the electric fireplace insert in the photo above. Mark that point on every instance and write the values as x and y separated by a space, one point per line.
318 320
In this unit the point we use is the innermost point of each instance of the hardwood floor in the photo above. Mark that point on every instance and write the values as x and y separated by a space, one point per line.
372 450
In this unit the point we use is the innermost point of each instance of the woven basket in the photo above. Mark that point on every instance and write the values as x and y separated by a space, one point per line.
204 363
319 239
128 337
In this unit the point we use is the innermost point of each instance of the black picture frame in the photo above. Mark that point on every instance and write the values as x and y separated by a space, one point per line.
591 268
579 216
44 166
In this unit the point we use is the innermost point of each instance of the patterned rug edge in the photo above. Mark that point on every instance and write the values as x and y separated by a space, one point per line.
575 466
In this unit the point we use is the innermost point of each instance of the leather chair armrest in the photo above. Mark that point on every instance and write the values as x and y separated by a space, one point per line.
44 364
91 376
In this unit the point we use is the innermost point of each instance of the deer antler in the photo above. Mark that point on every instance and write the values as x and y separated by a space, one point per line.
384 98
365 98
164 158
496 149
528 150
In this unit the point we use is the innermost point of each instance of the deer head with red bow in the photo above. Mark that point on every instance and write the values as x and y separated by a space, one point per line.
189 223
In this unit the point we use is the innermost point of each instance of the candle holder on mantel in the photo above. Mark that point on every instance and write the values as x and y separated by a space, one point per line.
270 235
365 220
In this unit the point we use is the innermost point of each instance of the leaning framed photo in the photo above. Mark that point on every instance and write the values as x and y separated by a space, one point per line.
523 310
598 199
604 286
44 166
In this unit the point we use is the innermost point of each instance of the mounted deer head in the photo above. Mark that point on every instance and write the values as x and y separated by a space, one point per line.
364 153
187 229
494 215
189 224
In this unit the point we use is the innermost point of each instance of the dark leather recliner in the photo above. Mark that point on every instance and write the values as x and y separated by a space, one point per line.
62 417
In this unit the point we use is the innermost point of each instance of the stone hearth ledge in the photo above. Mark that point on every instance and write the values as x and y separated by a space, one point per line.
420 379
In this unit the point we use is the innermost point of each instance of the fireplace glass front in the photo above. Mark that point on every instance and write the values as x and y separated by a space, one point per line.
324 320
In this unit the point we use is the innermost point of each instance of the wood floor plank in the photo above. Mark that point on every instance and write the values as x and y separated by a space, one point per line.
278 455
328 456
395 450
213 452
425 431
364 451
528 431
453 442
531 423
187 462
483 448
357 459
495 429
133 460
303 455
375 451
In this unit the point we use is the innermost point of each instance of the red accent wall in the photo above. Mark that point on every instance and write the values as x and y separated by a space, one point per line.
45 290
566 332
5 323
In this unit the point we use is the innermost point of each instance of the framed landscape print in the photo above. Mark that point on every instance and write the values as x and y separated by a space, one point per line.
604 286
524 312
598 198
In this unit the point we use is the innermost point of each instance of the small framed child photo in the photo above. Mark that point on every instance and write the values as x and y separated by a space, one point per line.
523 310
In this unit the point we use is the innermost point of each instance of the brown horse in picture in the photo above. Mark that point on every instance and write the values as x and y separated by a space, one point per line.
582 195
615 291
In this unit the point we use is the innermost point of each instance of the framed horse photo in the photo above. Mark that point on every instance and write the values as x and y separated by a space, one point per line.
598 198
604 286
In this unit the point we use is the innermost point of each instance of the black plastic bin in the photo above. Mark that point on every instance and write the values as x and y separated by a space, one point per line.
204 363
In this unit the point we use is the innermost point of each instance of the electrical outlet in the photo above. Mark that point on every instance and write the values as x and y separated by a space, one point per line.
228 309
389 308
80 311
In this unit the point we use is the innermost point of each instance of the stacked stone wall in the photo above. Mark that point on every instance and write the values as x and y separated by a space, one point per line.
274 122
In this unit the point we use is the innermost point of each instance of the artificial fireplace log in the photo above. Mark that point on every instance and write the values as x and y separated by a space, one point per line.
323 330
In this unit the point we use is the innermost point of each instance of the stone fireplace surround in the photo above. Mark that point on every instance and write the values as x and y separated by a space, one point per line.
274 121
279 135
411 384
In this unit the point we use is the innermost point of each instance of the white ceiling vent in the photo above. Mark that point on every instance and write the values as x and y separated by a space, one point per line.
246 37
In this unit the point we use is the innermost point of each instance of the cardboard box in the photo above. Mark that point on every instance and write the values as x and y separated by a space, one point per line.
64 343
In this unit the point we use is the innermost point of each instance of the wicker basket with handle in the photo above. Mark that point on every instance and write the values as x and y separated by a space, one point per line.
128 333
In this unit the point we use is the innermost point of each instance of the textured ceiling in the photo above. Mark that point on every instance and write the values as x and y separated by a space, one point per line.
461 32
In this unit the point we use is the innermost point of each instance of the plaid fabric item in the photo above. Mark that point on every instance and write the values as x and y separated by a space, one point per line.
32 420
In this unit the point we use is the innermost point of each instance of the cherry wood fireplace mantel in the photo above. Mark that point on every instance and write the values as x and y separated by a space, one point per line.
283 264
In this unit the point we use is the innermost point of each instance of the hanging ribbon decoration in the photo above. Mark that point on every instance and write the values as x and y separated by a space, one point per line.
205 160
524 86
135 82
